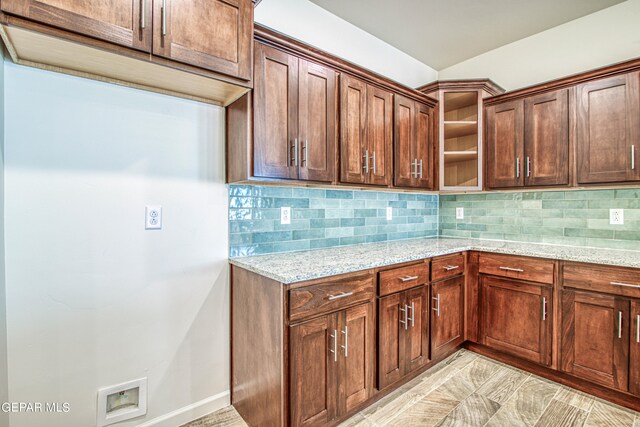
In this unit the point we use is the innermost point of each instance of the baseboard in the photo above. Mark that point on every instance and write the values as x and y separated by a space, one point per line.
191 412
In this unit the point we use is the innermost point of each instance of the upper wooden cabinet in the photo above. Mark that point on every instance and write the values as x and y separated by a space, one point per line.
528 141
608 129
366 133
413 143
124 22
211 34
295 113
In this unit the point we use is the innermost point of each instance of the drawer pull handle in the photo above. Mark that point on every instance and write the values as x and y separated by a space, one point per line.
628 285
451 267
341 295
519 270
408 278
619 324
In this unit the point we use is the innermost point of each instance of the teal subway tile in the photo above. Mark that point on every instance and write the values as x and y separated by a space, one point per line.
564 204
564 222
483 235
365 213
296 224
589 194
324 203
406 196
306 213
340 231
353 240
502 212
503 228
315 233
448 226
586 213
241 238
309 193
241 202
614 204
613 244
271 236
291 202
398 204
269 191
338 213
368 229
324 243
367 195
627 235
324 222
351 222
415 219
352 204
298 245
457 233
240 190
426 197
474 212
383 195
627 193
588 232
472 227
387 229
376 238
487 219
339 194
532 196
270 213
375 204
531 204
244 250
265 202
236 214
553 195
397 236
416 234
250 226
543 231
475 197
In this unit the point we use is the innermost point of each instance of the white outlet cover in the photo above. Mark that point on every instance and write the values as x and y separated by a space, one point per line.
153 217
389 213
459 213
616 216
285 215
105 419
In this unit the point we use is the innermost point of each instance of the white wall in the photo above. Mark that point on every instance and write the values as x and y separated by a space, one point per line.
601 38
4 394
314 25
92 298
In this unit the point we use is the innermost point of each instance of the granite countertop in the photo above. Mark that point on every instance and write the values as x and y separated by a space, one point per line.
294 267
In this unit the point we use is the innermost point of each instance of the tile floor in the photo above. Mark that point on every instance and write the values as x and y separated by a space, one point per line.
471 390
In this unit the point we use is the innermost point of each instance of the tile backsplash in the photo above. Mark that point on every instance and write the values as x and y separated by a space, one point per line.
323 218
578 218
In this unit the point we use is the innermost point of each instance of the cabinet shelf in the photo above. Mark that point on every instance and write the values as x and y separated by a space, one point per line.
460 128
459 156
458 100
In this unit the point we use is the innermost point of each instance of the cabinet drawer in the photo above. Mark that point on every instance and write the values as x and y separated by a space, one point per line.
599 278
534 270
402 278
330 296
447 266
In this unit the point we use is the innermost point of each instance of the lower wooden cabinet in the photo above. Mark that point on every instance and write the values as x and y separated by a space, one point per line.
634 350
332 365
403 334
595 338
516 318
447 315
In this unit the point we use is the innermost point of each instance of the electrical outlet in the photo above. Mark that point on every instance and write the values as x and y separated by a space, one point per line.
389 213
153 217
459 213
616 216
285 215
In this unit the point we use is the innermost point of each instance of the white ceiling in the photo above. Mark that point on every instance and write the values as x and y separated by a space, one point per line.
441 33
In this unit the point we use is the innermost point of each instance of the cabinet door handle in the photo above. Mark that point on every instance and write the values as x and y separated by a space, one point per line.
528 166
335 345
164 18
437 307
517 167
340 295
619 324
633 157
420 168
414 172
544 308
366 162
638 328
293 158
518 270
305 150
346 342
405 322
143 13
628 285
373 159
408 278
413 314
451 267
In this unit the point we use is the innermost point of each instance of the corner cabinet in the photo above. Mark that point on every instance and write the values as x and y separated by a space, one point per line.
413 143
295 113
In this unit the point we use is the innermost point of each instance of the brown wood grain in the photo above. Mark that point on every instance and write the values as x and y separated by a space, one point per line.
533 269
447 266
472 296
391 281
447 315
634 350
504 140
418 328
391 342
379 134
353 132
600 278
404 141
239 127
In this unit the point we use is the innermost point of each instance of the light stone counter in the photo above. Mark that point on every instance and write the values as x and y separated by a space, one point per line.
294 267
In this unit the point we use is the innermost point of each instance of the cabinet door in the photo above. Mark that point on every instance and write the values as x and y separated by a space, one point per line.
357 338
353 115
546 138
595 338
608 129
404 140
517 318
391 342
317 122
417 347
275 109
124 22
505 144
424 146
314 358
380 135
447 315
634 364
211 34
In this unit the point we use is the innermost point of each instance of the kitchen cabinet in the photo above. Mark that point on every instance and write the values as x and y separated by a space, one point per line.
366 133
332 365
595 338
447 315
124 22
608 129
295 112
528 141
403 334
634 350
516 318
413 143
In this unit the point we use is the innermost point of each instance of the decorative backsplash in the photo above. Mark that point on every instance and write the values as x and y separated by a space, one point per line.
323 218
578 218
